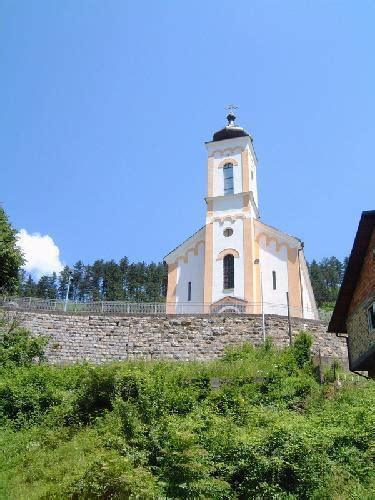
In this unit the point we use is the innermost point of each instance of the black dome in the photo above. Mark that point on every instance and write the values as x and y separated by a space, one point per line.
230 131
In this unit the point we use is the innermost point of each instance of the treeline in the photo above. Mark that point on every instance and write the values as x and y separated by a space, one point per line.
326 278
102 280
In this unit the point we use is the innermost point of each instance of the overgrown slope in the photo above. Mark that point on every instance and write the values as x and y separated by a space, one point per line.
254 424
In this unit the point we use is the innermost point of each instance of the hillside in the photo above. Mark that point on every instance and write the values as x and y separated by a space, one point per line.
256 423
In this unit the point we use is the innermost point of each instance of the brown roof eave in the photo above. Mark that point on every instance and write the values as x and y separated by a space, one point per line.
352 273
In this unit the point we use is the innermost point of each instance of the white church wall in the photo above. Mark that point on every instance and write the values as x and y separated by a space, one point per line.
193 271
309 306
253 178
220 243
273 260
227 205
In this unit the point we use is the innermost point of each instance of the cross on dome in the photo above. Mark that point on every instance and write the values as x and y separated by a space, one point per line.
231 116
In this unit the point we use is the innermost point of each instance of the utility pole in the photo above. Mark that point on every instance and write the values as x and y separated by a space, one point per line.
257 261
67 290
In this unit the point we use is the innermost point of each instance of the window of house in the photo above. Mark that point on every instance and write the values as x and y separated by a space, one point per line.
228 272
189 291
228 232
228 178
371 317
274 280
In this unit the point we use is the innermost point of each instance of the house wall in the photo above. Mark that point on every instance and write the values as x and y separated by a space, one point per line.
366 281
361 340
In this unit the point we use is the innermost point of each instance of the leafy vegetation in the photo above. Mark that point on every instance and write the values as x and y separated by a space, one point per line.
11 258
255 424
326 277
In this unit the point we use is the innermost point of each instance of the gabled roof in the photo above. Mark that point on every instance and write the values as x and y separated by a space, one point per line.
184 242
282 234
352 273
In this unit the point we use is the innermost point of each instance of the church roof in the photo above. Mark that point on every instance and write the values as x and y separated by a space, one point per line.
185 241
281 233
230 131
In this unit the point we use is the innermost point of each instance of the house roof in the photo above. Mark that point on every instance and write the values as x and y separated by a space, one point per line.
352 273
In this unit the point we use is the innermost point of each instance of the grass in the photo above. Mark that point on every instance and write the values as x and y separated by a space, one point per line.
256 423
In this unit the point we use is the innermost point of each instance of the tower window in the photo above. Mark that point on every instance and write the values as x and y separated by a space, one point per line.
228 232
252 175
228 178
274 280
228 272
189 291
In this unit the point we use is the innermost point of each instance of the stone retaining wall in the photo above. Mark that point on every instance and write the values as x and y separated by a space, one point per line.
99 339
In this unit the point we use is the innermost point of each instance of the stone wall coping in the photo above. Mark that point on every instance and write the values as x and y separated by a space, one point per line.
294 319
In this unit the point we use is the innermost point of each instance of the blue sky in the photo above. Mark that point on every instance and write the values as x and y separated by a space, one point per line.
105 107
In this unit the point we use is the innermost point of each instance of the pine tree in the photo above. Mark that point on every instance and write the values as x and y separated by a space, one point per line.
28 287
113 281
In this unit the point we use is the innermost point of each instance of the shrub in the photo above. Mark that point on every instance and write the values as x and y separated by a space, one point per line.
17 346
302 349
111 475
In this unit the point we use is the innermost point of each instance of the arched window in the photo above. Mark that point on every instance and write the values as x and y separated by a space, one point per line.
228 178
228 272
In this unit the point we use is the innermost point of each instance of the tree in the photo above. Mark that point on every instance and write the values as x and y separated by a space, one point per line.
46 287
11 257
28 287
326 277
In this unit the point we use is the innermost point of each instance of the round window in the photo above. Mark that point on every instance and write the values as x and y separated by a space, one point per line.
228 231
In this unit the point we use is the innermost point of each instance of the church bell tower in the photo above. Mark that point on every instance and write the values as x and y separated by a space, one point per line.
232 206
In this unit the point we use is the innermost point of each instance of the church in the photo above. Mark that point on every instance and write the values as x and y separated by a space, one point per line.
235 262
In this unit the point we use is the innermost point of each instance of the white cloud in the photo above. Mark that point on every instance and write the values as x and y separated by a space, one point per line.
41 253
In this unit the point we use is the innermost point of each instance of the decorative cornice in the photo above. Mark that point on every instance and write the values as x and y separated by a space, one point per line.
269 238
194 250
229 217
226 152
228 160
227 251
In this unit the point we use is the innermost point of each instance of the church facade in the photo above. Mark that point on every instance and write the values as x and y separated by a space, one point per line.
236 262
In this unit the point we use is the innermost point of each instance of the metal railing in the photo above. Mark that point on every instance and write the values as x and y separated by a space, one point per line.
157 308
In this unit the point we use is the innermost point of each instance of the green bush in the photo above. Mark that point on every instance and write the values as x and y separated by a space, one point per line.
302 349
255 424
17 346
